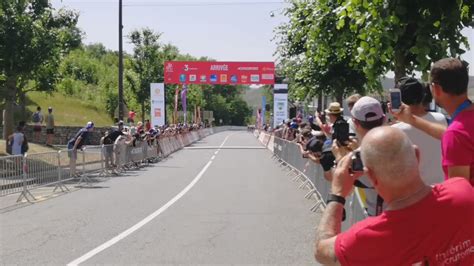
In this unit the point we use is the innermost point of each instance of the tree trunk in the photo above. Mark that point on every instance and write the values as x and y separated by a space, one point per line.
340 97
320 103
8 123
143 112
22 101
400 63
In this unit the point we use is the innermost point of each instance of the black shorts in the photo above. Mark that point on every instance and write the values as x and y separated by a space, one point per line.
37 128
50 131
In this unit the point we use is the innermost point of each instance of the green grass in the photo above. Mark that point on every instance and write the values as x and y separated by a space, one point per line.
33 148
67 110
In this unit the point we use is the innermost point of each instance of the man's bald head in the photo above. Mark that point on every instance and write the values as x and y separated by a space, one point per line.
390 154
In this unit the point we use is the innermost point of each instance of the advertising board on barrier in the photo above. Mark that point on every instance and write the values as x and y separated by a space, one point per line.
280 103
264 102
157 97
200 72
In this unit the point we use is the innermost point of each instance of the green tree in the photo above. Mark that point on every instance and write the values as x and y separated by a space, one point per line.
33 39
405 36
147 63
339 46
240 111
316 52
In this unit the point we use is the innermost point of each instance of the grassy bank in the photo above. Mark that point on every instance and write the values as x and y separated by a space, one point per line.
68 111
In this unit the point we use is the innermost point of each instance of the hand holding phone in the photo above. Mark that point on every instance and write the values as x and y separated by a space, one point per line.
395 99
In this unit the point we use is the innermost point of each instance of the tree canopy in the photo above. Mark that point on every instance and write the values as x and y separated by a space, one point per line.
34 37
334 47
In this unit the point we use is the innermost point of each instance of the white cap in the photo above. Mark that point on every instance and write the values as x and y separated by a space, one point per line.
367 109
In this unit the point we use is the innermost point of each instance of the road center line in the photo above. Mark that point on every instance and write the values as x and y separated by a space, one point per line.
148 219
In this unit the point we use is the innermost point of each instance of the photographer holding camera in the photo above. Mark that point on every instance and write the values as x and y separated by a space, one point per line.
303 138
421 225
334 114
449 78
367 114
412 94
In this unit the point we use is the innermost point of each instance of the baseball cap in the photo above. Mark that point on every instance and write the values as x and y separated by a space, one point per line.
314 145
412 90
50 108
367 109
90 124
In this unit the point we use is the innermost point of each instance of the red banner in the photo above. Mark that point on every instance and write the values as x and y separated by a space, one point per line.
196 72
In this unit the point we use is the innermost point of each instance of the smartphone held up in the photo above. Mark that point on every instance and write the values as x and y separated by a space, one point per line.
395 99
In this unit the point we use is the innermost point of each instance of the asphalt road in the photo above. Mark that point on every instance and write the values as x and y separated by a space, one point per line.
233 207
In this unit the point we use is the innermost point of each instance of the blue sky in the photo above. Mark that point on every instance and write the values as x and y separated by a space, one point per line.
240 32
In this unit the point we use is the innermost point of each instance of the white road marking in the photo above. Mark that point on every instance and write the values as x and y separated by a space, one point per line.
213 157
148 219
226 147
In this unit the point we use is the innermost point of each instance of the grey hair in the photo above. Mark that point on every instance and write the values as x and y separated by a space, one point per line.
390 154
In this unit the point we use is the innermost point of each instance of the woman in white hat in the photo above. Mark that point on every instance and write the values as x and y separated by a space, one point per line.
334 113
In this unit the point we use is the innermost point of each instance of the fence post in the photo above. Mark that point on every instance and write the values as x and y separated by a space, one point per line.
25 193
60 184
103 170
84 177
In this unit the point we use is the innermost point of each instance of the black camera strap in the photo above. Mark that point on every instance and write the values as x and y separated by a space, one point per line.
359 184
379 206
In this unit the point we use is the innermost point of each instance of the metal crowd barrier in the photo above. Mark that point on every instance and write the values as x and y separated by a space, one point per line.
11 173
310 175
20 174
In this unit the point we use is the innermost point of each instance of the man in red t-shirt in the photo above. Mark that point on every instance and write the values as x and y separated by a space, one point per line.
421 225
449 79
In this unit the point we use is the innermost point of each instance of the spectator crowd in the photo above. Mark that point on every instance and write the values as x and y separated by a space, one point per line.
414 170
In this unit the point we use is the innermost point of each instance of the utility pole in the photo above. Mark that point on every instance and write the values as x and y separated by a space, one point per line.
120 74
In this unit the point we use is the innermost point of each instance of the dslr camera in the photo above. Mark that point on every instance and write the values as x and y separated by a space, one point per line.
341 131
357 165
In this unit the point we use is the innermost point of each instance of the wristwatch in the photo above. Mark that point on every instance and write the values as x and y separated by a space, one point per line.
336 198
342 200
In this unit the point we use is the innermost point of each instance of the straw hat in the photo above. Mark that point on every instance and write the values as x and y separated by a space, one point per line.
334 108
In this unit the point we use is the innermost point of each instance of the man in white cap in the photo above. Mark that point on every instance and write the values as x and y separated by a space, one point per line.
367 114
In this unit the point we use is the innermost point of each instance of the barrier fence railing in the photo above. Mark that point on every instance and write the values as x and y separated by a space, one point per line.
20 174
310 175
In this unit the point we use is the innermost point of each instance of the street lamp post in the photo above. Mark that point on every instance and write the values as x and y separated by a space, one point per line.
120 74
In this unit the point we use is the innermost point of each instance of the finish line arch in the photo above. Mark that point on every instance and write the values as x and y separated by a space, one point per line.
219 73
207 73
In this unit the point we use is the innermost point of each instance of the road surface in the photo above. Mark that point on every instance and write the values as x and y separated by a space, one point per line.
221 201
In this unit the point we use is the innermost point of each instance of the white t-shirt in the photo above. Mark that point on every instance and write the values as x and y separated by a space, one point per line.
430 148
18 139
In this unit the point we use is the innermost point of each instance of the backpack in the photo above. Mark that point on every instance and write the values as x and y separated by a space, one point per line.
108 140
24 145
36 117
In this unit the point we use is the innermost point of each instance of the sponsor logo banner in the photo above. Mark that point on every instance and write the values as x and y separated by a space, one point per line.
280 103
199 72
157 97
